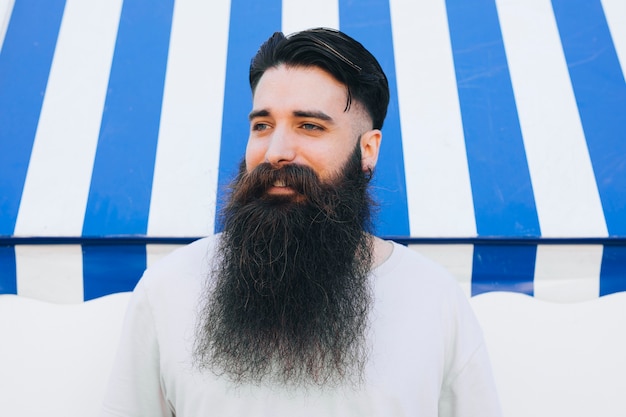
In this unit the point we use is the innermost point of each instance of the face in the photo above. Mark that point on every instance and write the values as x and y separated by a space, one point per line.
299 117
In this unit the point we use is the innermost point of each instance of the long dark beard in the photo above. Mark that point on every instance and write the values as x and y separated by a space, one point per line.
290 297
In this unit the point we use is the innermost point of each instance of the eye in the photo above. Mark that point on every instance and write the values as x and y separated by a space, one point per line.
311 127
259 127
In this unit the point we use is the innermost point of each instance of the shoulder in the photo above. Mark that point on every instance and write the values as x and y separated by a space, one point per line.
189 259
182 272
409 268
411 285
197 251
424 298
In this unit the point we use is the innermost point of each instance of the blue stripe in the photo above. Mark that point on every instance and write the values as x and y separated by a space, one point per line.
25 63
370 23
8 271
251 23
600 91
112 268
613 271
121 184
503 196
503 268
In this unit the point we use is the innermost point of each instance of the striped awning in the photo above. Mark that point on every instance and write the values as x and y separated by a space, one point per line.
504 150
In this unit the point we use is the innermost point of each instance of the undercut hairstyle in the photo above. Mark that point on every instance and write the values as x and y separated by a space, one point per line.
341 56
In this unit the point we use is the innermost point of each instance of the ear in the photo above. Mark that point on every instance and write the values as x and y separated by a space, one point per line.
370 146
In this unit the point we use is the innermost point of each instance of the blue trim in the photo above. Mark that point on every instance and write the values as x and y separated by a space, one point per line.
251 23
501 187
111 269
503 268
121 184
25 63
600 90
370 24
175 240
8 270
117 263
613 271
505 241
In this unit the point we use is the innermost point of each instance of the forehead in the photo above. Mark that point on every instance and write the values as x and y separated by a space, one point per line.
300 88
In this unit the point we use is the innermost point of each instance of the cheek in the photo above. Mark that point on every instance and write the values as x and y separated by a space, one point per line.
329 162
255 155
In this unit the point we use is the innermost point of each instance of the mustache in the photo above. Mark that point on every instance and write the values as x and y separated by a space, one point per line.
256 183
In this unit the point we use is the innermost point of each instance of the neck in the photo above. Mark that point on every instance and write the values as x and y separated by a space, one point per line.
382 251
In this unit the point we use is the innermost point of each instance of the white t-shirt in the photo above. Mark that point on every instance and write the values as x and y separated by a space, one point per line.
427 355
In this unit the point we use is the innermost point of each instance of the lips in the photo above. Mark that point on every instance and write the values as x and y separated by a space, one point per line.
284 189
280 187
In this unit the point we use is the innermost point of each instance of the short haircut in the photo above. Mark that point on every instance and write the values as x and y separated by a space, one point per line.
336 53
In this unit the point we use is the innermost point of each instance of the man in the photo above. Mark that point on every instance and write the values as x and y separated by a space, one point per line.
296 309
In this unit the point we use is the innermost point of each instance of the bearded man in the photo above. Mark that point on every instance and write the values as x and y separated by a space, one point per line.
296 308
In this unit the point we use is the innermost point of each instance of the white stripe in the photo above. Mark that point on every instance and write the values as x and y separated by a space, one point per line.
568 273
50 272
57 183
457 259
186 168
437 175
6 8
299 15
615 12
566 195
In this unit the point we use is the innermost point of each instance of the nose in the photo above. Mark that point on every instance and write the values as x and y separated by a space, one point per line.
281 149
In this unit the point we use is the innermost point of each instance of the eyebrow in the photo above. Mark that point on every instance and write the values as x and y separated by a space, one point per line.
313 115
297 113
258 113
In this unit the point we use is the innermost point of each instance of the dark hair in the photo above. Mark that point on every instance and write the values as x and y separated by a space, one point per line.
338 54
